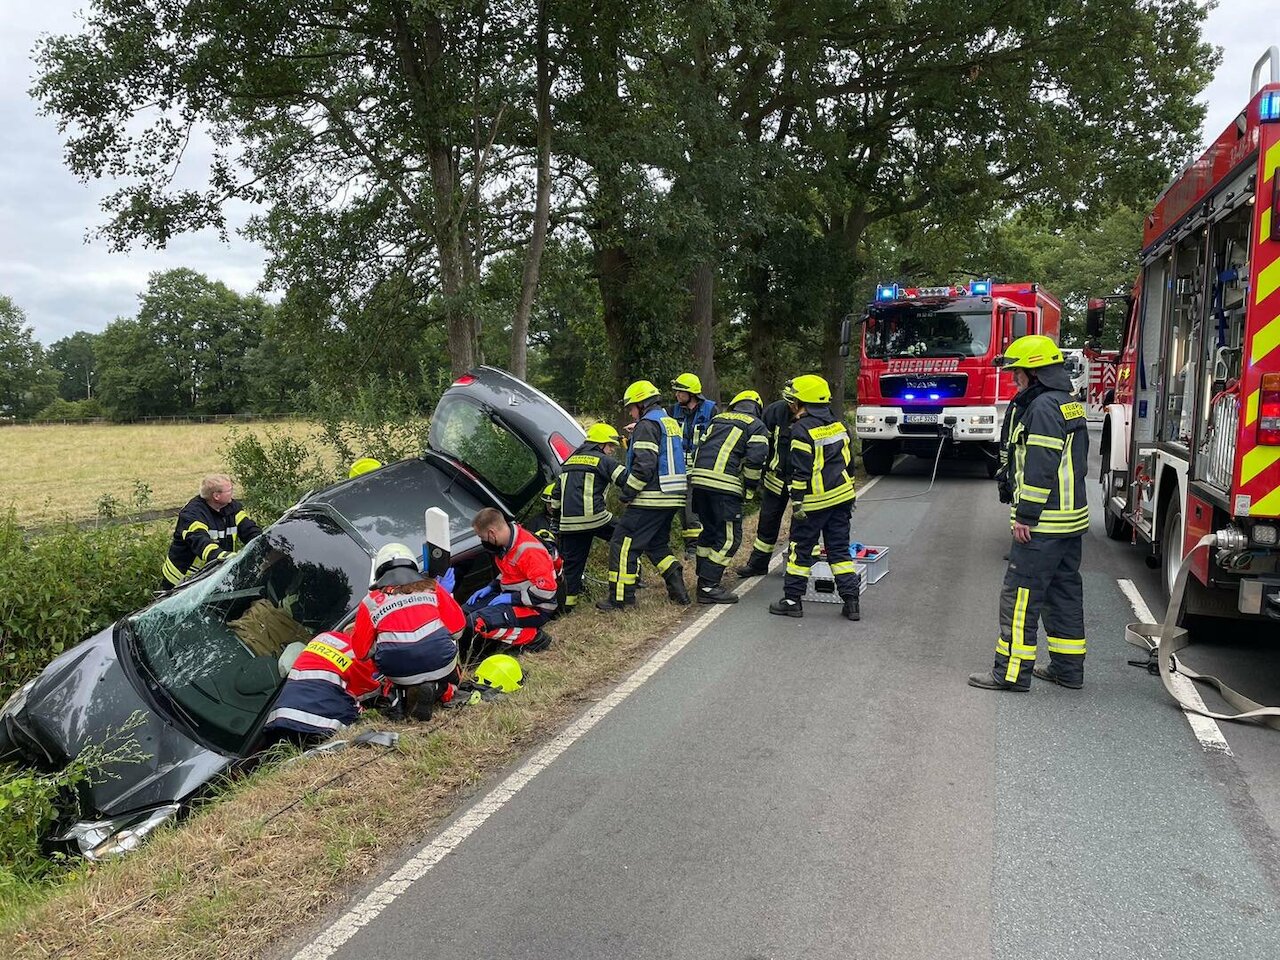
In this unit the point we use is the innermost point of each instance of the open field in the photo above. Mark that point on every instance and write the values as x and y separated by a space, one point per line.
56 472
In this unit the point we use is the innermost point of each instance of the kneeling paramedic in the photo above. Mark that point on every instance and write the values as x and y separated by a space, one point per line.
210 528
411 625
654 492
324 683
726 469
822 497
1048 460
513 608
773 487
579 498
693 412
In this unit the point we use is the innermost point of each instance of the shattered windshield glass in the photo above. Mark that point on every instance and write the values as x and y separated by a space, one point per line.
922 330
214 645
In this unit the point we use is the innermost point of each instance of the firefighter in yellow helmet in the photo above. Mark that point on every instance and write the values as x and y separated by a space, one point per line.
777 418
822 497
654 492
362 466
693 412
579 500
1048 461
726 470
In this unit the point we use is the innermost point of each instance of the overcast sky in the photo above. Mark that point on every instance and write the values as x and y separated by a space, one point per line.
66 284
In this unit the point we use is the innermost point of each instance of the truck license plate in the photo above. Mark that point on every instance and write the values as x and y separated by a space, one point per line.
919 418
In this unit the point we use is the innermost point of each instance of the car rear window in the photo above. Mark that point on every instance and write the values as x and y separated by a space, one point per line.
467 432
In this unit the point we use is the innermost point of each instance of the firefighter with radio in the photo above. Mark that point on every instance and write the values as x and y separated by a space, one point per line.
578 499
773 487
1048 463
693 412
726 469
654 492
822 497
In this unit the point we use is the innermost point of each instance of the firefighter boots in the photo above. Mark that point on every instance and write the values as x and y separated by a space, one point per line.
714 593
677 592
852 610
1046 673
985 681
751 570
787 608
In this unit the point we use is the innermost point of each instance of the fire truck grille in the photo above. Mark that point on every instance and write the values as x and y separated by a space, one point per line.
923 386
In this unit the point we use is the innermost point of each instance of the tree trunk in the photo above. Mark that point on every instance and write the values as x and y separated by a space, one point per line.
613 266
761 349
703 318
541 209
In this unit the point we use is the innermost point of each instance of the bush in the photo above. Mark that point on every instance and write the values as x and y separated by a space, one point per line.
58 589
274 471
384 419
61 409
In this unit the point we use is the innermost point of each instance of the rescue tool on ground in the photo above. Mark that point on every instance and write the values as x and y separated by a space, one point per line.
928 375
1190 444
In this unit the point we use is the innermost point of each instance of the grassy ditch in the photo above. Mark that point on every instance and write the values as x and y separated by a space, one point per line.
291 839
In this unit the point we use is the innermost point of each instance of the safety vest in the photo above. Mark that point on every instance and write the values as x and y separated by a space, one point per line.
656 462
413 636
527 572
820 461
693 423
581 487
320 693
732 450
1049 447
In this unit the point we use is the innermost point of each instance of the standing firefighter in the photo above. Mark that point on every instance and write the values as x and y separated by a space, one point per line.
210 527
726 468
773 487
654 492
822 497
693 412
1049 452
579 497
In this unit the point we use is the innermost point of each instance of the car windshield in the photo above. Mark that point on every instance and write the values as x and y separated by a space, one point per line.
921 330
214 645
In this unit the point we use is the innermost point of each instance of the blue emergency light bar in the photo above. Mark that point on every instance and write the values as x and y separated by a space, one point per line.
980 288
1269 107
886 294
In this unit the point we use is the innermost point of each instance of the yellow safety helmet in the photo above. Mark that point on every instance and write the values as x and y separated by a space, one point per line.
602 433
809 388
1031 353
748 395
500 671
689 383
639 392
363 465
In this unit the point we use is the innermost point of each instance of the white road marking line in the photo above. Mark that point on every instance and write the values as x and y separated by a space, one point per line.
1206 729
387 892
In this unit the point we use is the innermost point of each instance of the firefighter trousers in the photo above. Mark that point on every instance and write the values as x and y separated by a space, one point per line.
773 506
832 526
721 516
575 549
640 530
690 521
1042 584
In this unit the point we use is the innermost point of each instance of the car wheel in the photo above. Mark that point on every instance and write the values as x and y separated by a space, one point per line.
878 459
1171 547
1116 526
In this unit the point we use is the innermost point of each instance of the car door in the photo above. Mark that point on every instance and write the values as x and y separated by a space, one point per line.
512 435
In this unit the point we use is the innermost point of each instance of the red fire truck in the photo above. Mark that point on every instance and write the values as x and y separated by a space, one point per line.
1191 443
928 376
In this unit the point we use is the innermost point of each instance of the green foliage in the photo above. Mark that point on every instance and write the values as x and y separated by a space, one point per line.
62 409
26 381
75 359
381 417
58 589
273 471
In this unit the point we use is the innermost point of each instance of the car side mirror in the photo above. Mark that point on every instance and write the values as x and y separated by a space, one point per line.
1021 323
1093 318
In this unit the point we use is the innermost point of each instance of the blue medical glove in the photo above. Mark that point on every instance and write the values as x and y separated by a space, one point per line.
449 580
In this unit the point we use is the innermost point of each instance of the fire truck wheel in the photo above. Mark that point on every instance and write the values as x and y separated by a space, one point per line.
1171 547
878 460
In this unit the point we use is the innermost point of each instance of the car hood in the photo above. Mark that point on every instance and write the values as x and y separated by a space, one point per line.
84 695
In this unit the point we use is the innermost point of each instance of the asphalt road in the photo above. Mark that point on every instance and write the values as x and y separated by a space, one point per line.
814 788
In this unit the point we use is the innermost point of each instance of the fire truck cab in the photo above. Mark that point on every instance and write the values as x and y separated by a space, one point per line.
1191 442
928 376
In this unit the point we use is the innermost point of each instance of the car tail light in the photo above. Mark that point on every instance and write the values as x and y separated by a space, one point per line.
1269 410
464 381
563 448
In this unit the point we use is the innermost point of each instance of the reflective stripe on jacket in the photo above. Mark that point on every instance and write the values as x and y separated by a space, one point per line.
820 461
655 463
693 423
732 451
202 534
527 572
413 636
777 421
321 692
1049 447
581 487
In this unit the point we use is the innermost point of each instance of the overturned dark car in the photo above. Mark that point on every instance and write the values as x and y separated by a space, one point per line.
197 669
